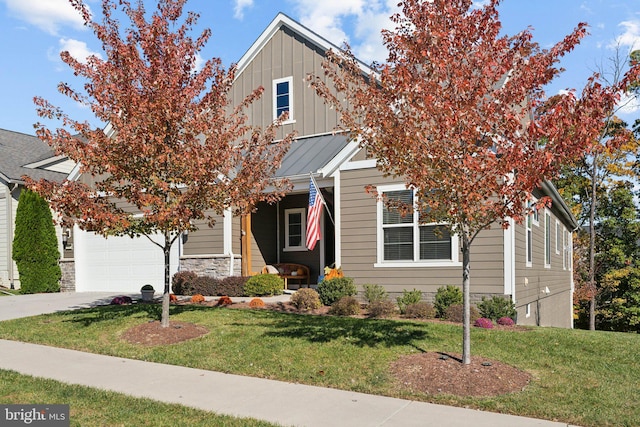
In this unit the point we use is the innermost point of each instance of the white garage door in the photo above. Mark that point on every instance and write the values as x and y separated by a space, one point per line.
119 264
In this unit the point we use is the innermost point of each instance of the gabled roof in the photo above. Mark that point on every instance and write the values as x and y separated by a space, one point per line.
21 154
282 20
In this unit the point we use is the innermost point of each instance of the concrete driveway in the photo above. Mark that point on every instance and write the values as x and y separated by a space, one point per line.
16 306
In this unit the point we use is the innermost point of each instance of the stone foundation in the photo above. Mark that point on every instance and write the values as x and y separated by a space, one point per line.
68 280
217 267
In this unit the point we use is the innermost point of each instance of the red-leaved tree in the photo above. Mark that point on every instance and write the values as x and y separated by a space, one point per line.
175 149
458 112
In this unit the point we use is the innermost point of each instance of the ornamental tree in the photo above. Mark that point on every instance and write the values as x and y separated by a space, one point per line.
459 113
175 149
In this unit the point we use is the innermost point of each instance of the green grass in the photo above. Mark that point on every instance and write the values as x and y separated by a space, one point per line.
93 407
580 377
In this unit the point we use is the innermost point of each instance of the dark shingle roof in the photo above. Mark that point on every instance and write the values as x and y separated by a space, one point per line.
19 149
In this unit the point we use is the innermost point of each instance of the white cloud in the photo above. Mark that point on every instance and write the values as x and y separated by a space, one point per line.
630 37
48 15
78 50
629 104
240 6
368 18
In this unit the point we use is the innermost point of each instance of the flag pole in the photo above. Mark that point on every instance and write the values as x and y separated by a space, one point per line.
321 197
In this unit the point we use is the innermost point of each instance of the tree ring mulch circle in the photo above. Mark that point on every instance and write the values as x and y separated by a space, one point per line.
444 373
152 333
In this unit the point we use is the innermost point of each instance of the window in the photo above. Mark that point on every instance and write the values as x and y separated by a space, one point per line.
529 241
402 239
294 229
283 98
564 248
547 239
558 238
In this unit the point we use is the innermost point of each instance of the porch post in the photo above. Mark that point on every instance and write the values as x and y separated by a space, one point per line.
245 243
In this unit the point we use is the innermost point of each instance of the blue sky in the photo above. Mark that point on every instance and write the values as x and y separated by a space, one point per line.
33 32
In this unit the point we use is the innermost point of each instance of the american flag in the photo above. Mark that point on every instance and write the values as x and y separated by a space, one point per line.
313 216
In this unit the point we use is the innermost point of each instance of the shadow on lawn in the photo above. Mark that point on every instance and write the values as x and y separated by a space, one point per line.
150 311
359 332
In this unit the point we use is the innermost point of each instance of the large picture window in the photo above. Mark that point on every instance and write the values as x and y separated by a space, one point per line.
403 239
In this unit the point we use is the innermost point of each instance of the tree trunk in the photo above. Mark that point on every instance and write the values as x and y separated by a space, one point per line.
165 296
466 316
592 245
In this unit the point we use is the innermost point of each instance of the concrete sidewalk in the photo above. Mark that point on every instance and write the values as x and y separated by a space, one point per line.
275 401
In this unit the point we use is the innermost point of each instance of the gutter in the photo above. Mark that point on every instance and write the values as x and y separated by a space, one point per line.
559 203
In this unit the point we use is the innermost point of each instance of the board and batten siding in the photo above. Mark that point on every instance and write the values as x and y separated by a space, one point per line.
359 247
286 55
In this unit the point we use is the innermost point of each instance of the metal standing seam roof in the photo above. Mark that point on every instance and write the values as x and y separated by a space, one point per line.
311 154
19 149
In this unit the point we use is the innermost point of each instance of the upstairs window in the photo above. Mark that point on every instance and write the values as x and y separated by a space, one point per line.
283 98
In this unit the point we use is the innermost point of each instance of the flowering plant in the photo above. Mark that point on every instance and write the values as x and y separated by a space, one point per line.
506 321
225 300
483 322
197 298
256 303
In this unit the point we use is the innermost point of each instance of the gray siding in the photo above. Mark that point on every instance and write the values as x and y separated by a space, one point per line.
286 54
358 238
206 240
546 290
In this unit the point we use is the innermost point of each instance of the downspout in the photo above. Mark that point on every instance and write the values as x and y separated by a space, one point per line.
10 222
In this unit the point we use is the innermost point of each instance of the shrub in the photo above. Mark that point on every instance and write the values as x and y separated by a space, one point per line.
506 321
483 322
182 279
407 298
454 313
306 299
256 303
122 300
382 308
264 284
204 285
224 300
197 298
445 297
345 306
35 245
232 286
331 290
373 293
420 310
496 307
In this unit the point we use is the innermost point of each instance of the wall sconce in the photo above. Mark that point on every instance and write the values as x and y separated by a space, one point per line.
66 235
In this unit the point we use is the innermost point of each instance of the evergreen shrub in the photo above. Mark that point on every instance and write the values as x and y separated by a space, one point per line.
264 285
408 298
331 290
445 297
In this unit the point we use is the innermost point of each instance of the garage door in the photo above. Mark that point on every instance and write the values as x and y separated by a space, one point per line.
119 264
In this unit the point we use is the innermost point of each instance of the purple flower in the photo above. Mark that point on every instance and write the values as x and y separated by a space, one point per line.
483 322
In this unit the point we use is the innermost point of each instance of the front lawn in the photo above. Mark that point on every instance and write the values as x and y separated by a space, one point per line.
580 377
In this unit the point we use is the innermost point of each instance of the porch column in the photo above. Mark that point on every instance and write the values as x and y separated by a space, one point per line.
245 244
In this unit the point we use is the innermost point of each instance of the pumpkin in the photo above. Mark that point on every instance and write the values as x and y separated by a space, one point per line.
300 272
333 273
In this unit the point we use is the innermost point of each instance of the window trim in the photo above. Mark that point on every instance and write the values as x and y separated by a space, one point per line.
303 231
528 241
558 237
547 239
381 263
275 84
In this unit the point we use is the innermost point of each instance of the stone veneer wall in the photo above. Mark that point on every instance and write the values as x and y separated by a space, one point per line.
68 280
211 266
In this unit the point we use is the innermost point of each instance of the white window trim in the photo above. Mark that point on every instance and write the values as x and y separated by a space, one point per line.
547 238
289 80
527 310
564 248
381 263
558 238
303 215
535 215
528 235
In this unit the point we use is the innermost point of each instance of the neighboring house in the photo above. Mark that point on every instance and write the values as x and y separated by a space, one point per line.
20 155
528 263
